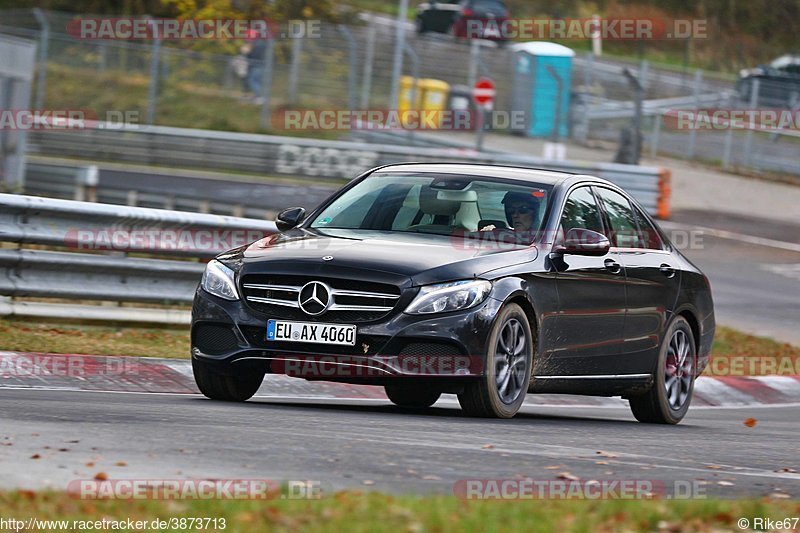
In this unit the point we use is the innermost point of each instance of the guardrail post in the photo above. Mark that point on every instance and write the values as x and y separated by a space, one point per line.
86 181
133 198
698 84
664 193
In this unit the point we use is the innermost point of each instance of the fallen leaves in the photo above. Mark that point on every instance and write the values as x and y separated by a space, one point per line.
567 476
609 455
36 456
750 422
101 476
488 446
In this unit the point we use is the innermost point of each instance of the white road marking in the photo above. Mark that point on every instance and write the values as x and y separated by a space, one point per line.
788 270
732 235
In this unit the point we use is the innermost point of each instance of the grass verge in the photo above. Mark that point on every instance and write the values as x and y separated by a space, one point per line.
22 335
734 352
355 511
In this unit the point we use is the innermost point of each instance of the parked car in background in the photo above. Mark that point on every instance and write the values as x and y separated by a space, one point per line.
779 82
468 19
436 16
481 19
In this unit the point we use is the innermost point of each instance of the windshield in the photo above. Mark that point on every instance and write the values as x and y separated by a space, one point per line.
442 204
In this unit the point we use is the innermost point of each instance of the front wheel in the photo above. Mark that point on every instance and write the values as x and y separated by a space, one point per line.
225 388
499 393
667 401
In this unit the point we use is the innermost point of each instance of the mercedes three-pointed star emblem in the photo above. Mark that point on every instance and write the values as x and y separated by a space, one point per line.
314 298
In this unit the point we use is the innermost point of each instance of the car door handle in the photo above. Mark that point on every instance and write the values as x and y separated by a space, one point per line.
612 266
667 270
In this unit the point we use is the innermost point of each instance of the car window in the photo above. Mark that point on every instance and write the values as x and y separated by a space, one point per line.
581 211
648 235
436 203
624 231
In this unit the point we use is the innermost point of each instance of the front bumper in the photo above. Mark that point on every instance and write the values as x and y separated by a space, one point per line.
232 337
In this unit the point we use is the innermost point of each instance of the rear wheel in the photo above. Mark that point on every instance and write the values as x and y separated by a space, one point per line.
409 396
225 388
667 401
499 393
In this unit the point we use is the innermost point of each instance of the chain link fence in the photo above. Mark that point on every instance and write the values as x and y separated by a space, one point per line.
350 67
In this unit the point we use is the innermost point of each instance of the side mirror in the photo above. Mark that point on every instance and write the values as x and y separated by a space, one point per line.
289 218
580 241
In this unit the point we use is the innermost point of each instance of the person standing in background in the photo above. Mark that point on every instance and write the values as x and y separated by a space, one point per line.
255 54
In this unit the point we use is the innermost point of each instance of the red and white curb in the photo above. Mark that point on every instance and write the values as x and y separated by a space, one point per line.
174 376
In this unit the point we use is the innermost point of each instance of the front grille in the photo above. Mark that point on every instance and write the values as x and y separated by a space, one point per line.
365 344
215 339
352 301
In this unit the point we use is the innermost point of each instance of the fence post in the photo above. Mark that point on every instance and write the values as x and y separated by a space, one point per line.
399 47
698 83
266 81
351 74
726 151
294 68
415 73
103 49
644 73
474 58
44 39
748 140
366 84
152 92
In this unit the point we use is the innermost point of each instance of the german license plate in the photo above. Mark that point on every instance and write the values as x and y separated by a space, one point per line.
285 331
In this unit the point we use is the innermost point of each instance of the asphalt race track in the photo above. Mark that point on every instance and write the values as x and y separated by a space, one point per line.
373 445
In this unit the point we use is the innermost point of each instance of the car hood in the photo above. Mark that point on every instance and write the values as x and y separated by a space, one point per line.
422 258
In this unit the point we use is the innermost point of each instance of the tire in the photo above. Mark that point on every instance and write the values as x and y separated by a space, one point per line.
411 397
677 363
225 388
483 397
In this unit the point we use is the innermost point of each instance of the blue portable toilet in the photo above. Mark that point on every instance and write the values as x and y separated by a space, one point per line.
536 90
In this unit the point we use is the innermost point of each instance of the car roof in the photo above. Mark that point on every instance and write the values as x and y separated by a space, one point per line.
538 175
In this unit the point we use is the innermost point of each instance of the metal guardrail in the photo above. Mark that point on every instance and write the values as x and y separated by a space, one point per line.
276 155
101 268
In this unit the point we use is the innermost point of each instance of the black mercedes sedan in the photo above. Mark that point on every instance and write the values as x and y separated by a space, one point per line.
488 282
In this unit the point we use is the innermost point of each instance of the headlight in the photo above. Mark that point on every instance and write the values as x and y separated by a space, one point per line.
449 296
219 281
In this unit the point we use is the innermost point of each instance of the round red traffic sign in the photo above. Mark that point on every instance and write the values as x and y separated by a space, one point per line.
484 91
